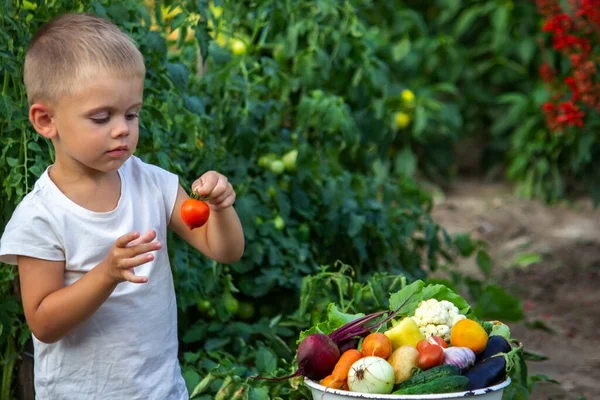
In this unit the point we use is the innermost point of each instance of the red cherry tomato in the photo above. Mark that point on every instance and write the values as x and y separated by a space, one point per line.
439 340
432 340
194 213
430 355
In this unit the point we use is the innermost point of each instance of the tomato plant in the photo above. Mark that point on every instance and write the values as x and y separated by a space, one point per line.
319 117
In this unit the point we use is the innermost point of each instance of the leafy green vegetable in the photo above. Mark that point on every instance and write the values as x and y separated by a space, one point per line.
410 294
421 291
335 319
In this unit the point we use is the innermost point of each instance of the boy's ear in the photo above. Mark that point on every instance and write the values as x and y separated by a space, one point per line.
41 118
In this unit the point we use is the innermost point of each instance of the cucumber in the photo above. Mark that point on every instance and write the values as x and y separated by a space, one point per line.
430 374
443 384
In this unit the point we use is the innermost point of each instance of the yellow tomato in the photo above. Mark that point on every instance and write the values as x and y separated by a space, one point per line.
216 11
221 40
402 119
408 96
469 333
238 47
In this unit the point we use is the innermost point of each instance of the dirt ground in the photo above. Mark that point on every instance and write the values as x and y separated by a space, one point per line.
560 293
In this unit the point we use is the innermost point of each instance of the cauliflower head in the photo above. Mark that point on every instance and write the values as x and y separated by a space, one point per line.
436 318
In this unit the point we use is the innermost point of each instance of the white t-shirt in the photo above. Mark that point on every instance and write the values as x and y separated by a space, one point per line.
128 349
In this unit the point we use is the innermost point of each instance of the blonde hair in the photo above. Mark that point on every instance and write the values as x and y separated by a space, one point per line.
73 48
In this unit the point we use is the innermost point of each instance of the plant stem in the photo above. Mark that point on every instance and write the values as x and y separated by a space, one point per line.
5 86
7 371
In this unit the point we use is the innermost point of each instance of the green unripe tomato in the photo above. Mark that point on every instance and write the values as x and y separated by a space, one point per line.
246 310
238 47
304 232
266 160
289 160
203 305
279 222
277 167
231 304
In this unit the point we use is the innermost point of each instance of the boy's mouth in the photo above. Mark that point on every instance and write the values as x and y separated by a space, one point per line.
118 151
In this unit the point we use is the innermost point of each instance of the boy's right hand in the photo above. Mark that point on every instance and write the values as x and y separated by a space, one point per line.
130 251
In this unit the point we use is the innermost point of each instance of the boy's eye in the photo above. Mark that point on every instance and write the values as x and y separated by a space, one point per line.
131 116
102 120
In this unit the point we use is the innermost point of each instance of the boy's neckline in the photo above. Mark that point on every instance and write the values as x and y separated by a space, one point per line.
83 207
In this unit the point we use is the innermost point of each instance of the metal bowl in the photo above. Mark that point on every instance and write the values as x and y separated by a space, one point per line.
320 392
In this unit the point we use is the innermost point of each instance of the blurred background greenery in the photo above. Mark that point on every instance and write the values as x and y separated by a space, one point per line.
331 118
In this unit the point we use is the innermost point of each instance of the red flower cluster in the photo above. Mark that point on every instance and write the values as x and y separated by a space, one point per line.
573 33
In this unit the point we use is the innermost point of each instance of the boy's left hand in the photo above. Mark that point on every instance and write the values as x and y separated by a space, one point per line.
216 188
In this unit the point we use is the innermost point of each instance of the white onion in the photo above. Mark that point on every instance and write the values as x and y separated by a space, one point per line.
371 375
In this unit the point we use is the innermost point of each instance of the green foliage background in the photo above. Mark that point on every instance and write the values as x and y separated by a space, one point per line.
324 78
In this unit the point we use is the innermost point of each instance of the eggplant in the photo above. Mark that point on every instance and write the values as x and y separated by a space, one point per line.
496 344
487 373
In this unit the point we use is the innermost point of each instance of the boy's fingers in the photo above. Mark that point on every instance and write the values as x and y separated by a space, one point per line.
144 248
133 278
205 184
228 202
126 238
228 192
136 261
145 238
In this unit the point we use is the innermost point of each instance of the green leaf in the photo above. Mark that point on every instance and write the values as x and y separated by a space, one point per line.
356 224
194 104
266 361
541 378
419 291
466 19
464 244
420 121
500 19
195 333
179 74
118 12
335 319
261 393
401 49
191 378
156 44
12 162
541 325
405 162
34 146
215 343
495 303
203 38
527 259
530 355
484 262
518 389
190 357
5 107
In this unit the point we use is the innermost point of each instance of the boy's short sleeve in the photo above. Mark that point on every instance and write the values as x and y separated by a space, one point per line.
167 183
30 233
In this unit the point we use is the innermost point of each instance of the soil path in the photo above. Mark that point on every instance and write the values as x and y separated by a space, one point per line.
560 292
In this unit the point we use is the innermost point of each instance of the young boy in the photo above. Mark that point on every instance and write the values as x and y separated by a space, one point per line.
90 238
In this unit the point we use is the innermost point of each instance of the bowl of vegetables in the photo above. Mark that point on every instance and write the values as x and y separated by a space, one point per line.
428 345
320 392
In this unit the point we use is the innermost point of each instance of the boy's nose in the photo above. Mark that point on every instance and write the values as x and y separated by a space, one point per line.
121 129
